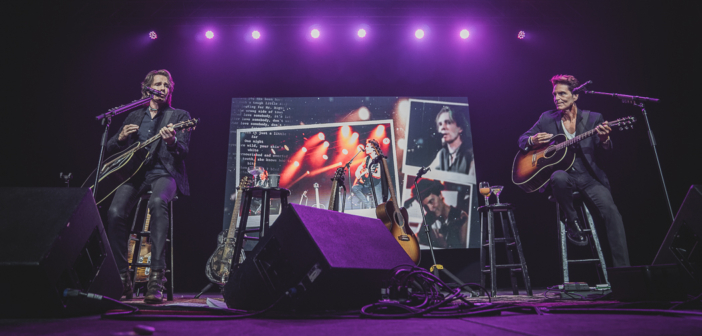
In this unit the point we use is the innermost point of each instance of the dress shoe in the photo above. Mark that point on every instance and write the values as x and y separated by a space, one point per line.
575 235
127 290
155 287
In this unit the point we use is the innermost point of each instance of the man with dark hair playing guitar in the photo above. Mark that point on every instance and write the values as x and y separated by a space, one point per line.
163 173
584 174
369 173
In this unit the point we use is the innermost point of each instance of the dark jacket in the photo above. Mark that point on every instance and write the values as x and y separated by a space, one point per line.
590 148
172 157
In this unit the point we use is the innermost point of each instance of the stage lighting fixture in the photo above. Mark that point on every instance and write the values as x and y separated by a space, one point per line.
345 151
320 136
314 33
361 32
304 149
209 34
345 130
256 34
521 35
296 164
419 34
464 34
308 172
273 150
325 157
354 136
153 35
386 141
379 131
363 113
401 143
286 148
326 144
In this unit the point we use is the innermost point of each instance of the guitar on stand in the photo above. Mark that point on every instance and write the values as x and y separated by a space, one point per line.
142 272
316 194
220 263
337 184
396 219
532 170
304 196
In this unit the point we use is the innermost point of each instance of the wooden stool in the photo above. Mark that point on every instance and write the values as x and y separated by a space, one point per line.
488 240
138 237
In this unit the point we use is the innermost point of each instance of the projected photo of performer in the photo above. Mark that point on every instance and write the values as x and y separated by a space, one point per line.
456 153
448 225
369 175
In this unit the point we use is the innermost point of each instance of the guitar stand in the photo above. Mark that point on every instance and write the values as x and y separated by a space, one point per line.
436 268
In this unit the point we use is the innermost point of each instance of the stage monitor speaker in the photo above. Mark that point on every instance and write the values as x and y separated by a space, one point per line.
682 244
52 239
323 260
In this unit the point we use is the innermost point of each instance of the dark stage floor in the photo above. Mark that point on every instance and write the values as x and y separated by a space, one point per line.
507 323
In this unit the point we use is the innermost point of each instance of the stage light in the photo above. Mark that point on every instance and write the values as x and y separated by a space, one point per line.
354 136
521 35
361 33
345 131
314 33
345 151
273 150
153 35
304 149
379 131
308 172
209 34
326 144
286 148
296 164
256 34
386 141
419 34
464 34
363 113
402 143
320 136
325 157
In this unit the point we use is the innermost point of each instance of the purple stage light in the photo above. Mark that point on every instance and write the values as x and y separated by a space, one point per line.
419 34
361 32
209 34
256 34
314 33
464 34
153 35
521 35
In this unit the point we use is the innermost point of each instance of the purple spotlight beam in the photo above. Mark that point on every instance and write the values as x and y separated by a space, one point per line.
314 33
209 34
361 32
256 34
464 34
153 35
419 33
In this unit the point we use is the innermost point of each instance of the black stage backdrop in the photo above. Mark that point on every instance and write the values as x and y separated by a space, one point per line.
61 74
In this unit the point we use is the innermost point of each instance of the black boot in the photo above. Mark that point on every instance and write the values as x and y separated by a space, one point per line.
127 290
155 287
574 234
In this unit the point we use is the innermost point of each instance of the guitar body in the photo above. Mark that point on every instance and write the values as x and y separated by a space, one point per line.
532 170
117 170
220 262
389 214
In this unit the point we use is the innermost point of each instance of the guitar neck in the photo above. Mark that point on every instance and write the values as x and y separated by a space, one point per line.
235 215
576 139
388 179
334 192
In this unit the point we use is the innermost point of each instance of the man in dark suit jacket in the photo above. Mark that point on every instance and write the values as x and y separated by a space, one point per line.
584 175
163 174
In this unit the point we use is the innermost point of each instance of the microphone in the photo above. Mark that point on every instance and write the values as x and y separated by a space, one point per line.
422 171
154 91
581 87
360 149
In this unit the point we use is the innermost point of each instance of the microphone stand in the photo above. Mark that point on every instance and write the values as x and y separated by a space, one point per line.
435 268
106 119
639 101
347 166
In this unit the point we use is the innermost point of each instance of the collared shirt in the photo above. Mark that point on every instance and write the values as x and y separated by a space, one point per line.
147 129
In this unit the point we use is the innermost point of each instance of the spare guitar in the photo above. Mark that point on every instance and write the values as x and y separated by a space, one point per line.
120 167
316 194
220 263
337 182
532 170
396 219
142 272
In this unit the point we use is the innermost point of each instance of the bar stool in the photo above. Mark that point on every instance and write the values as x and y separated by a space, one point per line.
265 194
584 217
488 240
136 236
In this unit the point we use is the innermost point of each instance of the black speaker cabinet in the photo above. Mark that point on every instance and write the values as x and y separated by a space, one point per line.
323 260
52 239
682 244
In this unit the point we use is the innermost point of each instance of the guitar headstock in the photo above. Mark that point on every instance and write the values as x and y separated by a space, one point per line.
339 175
623 123
244 183
186 125
316 185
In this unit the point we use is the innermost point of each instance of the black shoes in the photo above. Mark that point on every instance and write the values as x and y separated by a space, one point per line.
154 289
575 235
127 290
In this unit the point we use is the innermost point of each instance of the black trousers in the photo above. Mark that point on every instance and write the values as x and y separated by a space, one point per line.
594 193
163 188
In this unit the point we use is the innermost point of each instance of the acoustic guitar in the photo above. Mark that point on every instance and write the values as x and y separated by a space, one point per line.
120 167
337 181
396 219
142 272
219 264
532 169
